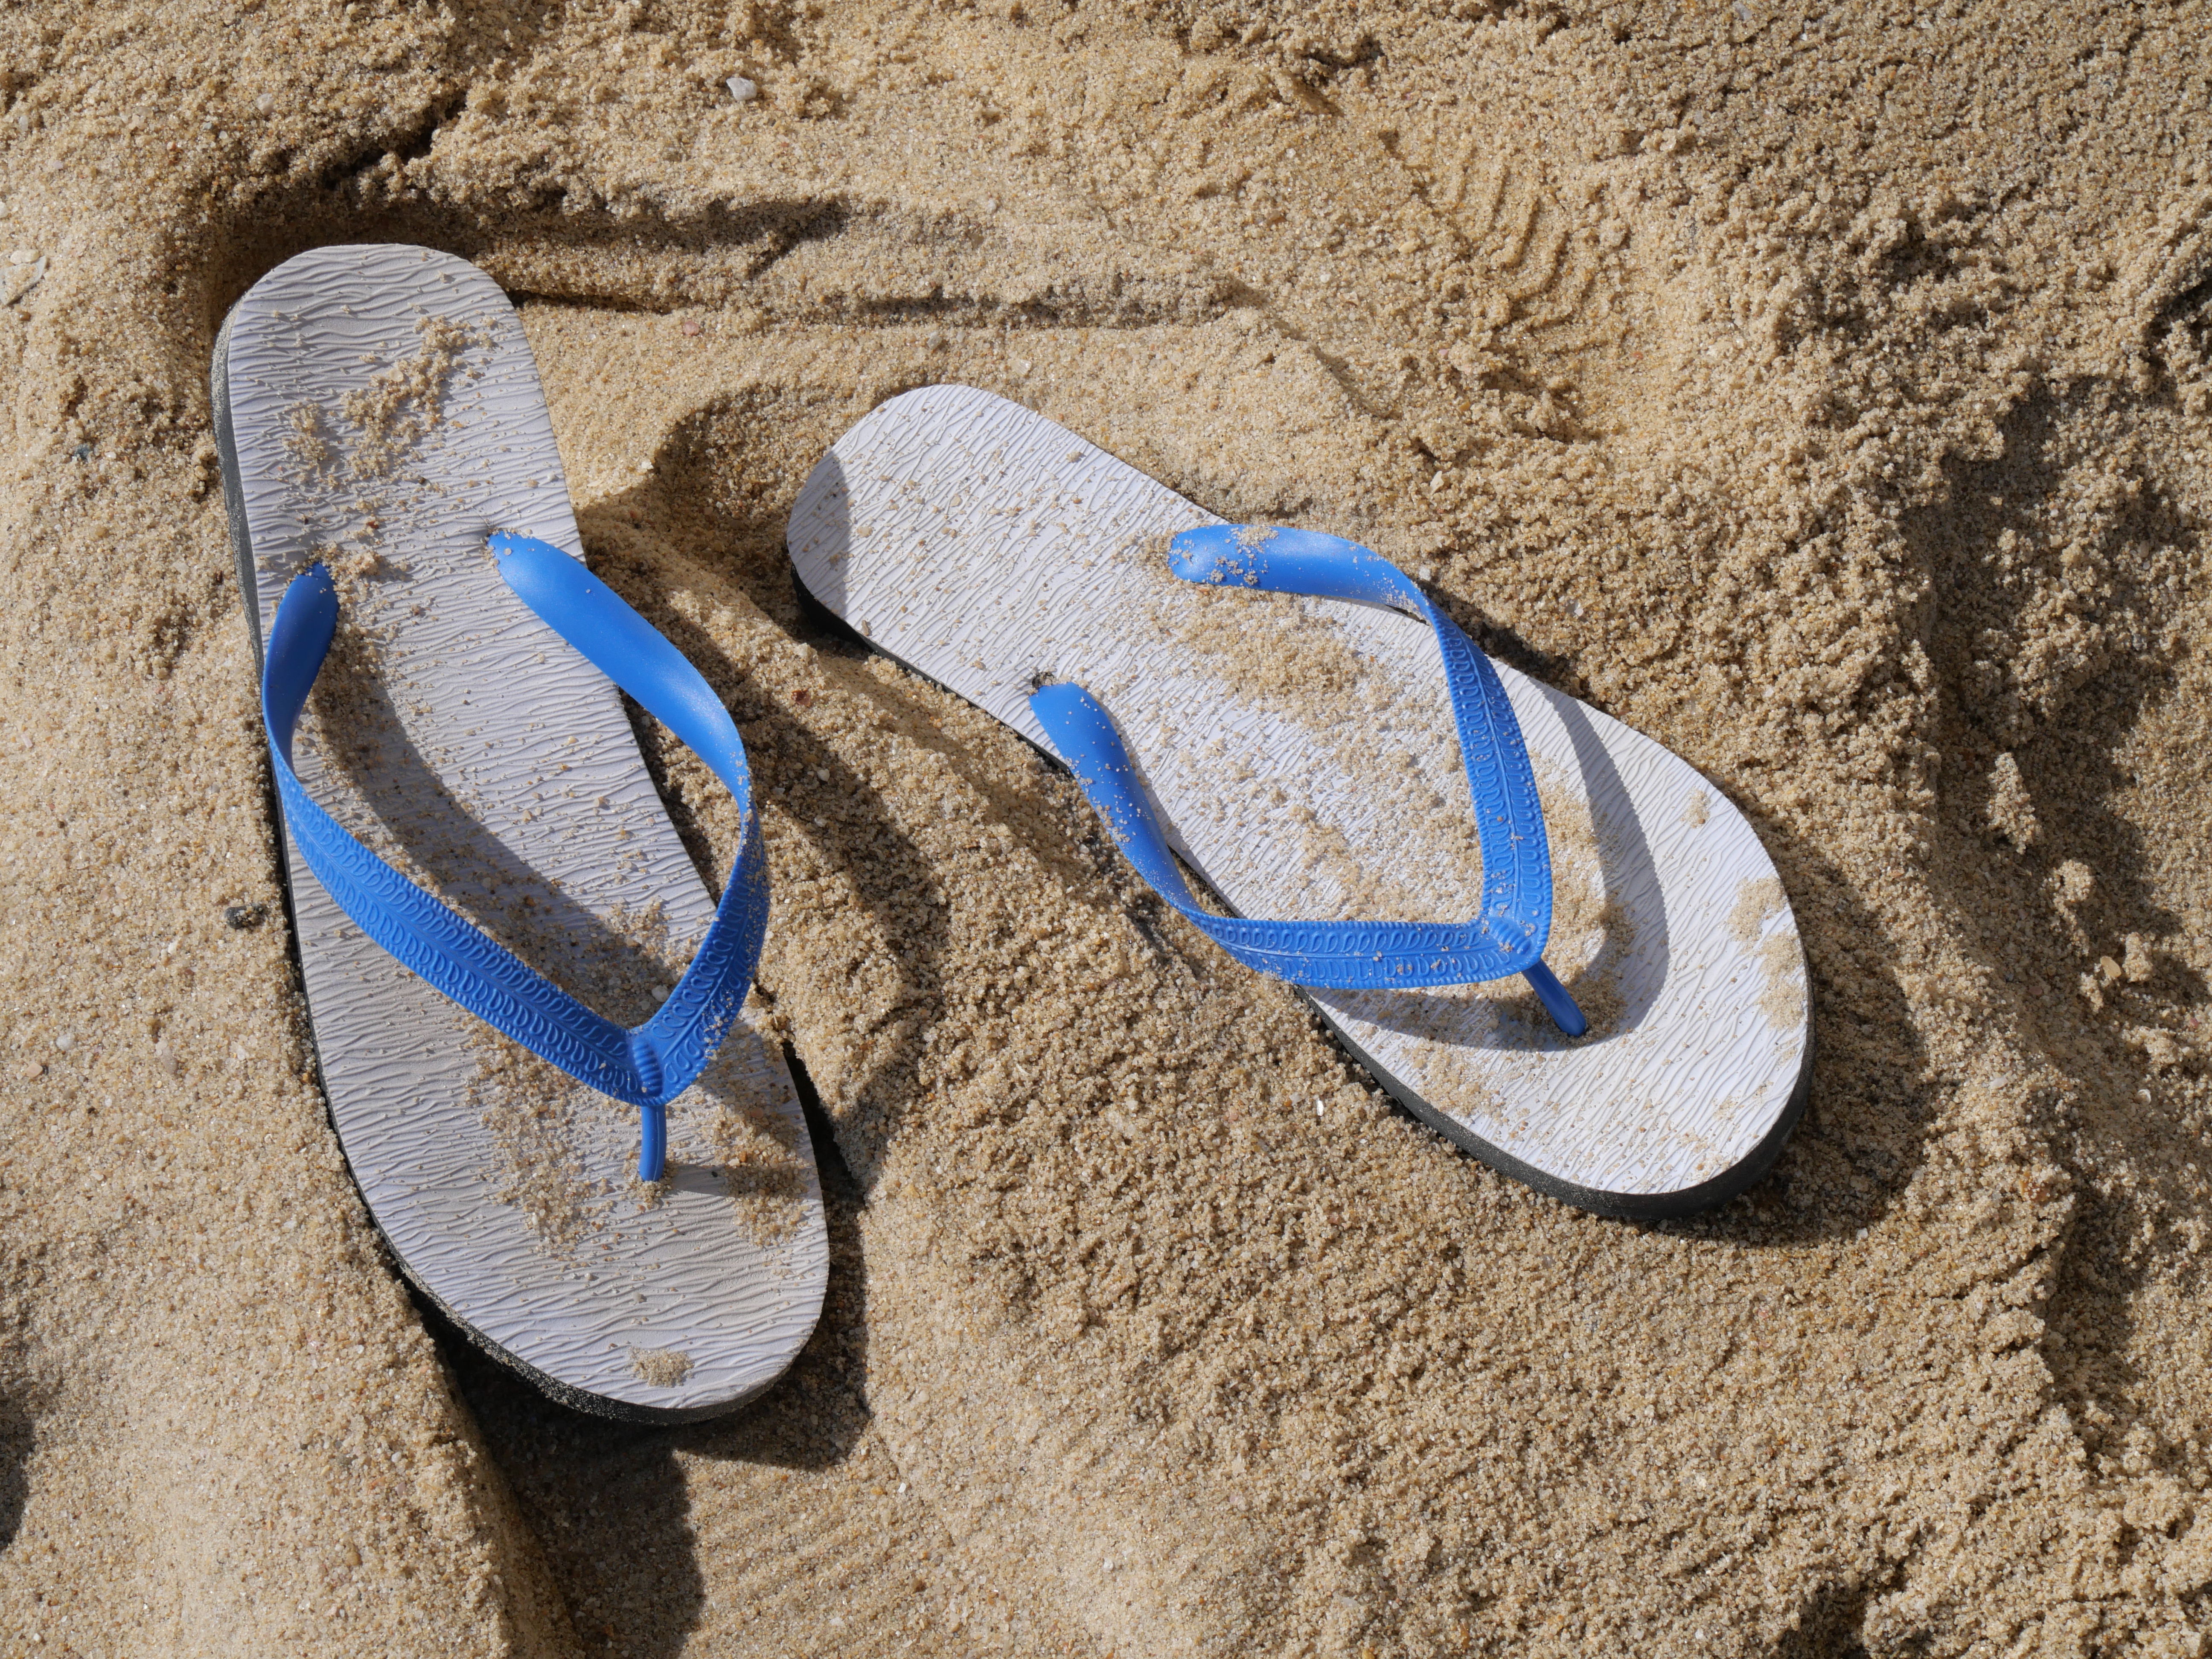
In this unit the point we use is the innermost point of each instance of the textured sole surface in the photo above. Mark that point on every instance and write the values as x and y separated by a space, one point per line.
1302 752
379 412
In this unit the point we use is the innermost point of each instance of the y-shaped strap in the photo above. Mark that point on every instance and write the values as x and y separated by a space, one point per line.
1507 937
648 1066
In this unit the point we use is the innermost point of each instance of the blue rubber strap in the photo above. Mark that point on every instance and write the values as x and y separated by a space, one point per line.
648 1066
1507 937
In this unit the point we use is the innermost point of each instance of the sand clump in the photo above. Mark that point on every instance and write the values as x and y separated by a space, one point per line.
664 1367
405 403
1823 393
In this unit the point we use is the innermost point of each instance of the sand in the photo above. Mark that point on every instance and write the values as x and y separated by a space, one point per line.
1824 392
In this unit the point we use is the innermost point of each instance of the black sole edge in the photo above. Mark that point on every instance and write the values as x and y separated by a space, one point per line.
563 1394
1677 1205
242 544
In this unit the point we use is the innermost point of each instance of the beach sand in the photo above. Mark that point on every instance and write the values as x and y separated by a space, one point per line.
1827 393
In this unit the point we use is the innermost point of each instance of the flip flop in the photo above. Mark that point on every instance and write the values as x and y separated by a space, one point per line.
1294 719
489 903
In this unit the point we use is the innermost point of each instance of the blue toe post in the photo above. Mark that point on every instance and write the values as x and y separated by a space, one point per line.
1557 1003
647 1067
1508 935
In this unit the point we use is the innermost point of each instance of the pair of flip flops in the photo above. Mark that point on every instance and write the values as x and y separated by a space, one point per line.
590 1155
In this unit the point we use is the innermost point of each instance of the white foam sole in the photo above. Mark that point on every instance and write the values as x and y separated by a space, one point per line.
1301 753
381 412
